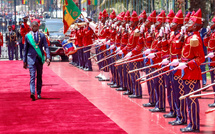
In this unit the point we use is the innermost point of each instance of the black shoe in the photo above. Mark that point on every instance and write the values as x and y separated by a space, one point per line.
170 122
32 97
111 83
157 110
211 105
169 115
115 86
97 77
204 85
100 79
88 69
178 123
189 129
135 96
39 96
121 89
127 93
149 105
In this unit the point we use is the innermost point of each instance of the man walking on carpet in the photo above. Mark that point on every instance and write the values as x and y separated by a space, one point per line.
34 57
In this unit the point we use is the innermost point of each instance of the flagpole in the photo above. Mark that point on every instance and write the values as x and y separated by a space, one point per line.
15 12
56 8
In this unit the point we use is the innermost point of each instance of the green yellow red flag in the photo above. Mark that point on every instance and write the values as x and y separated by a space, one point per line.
70 13
24 1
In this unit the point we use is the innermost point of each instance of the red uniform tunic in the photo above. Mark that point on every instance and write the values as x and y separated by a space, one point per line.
118 38
1 39
157 47
87 36
193 54
132 42
112 35
139 47
105 33
80 35
148 40
175 48
210 43
124 39
25 28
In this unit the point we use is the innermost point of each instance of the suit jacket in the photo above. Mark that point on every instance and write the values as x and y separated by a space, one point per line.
12 36
18 34
30 54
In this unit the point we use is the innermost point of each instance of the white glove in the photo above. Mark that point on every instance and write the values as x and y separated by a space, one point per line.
120 52
86 20
165 62
151 55
108 42
112 47
210 55
147 51
175 62
182 65
128 55
118 49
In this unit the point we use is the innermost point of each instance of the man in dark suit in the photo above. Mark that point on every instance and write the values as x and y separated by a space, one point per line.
11 42
19 37
34 57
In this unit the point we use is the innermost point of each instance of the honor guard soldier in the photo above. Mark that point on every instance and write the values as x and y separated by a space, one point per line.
88 40
11 42
121 36
117 71
156 57
175 48
75 55
16 45
134 88
123 74
168 36
113 33
19 39
25 28
151 20
99 27
192 58
1 42
80 35
103 35
209 41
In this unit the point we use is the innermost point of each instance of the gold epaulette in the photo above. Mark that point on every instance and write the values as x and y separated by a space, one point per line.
194 42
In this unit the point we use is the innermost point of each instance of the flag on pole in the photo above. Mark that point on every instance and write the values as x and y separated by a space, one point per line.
70 13
94 2
46 31
38 1
24 2
42 2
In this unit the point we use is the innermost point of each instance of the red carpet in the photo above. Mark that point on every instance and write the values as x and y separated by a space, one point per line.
62 109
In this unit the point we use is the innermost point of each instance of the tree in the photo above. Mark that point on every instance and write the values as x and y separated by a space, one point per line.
196 4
